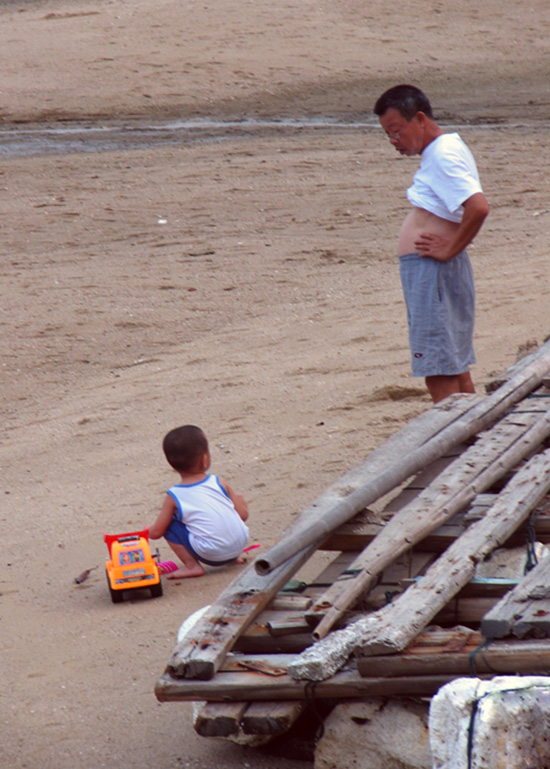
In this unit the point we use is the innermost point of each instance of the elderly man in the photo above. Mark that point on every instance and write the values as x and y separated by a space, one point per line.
449 208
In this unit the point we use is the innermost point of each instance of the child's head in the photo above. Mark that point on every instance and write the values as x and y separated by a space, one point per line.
185 448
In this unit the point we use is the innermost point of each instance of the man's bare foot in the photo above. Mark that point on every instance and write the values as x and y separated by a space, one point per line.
196 571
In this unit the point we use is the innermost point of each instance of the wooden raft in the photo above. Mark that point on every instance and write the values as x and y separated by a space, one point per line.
401 609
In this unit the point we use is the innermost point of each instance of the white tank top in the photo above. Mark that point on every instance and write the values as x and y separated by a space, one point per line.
216 531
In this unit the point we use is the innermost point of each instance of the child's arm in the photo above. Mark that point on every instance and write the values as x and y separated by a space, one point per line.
164 517
239 502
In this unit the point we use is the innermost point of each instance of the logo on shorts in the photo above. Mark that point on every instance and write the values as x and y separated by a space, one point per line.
419 355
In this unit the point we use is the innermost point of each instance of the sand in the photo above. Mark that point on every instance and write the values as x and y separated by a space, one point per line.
238 274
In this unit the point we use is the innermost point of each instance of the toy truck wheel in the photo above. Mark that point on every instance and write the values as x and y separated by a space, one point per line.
116 595
156 590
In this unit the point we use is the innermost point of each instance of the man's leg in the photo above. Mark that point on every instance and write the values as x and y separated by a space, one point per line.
441 387
465 382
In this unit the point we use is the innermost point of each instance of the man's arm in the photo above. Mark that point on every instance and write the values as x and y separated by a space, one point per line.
476 210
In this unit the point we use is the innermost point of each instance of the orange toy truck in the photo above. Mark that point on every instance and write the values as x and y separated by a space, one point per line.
131 564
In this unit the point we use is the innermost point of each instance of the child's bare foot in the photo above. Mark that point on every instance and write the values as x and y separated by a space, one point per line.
196 571
240 560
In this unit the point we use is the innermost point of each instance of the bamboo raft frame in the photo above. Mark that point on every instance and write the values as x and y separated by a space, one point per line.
399 610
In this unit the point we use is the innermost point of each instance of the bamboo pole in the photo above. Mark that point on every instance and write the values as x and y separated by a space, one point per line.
480 416
481 466
326 657
395 626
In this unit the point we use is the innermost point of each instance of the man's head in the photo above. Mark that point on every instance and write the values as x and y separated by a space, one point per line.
186 449
408 100
406 116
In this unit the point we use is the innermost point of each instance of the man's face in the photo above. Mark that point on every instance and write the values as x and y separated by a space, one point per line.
407 136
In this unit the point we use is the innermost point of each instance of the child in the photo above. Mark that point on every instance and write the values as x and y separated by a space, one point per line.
202 518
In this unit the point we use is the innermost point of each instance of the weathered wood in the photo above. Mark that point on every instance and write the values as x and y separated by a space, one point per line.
519 365
219 719
286 601
525 610
288 625
476 470
504 658
247 686
201 651
391 628
409 565
268 664
271 718
442 537
338 568
479 417
257 638
464 611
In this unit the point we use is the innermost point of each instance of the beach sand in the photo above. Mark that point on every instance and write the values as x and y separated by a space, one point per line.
240 275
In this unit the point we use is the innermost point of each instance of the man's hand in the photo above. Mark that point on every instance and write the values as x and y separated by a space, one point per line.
476 209
434 246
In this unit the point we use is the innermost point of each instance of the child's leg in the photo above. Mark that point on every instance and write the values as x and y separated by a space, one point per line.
192 566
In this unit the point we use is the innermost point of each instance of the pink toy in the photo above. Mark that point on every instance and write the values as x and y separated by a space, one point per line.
167 566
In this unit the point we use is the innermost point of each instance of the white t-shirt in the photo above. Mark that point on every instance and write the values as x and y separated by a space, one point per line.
216 531
446 178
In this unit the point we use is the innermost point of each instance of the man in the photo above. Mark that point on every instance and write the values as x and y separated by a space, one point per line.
449 208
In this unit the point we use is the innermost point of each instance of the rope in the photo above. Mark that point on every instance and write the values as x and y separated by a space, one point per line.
471 732
530 537
309 691
481 648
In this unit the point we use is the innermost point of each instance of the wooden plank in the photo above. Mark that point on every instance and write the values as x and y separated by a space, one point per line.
409 565
257 638
516 658
530 657
428 474
464 611
338 568
203 648
476 470
519 365
478 418
287 601
343 685
219 719
271 718
392 628
442 537
288 625
268 664
525 610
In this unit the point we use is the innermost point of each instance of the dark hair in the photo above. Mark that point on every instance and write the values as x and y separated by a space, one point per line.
183 447
408 100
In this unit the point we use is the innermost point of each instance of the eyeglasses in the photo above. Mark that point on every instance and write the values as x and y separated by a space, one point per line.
394 136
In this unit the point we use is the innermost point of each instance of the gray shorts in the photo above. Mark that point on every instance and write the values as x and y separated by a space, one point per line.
440 299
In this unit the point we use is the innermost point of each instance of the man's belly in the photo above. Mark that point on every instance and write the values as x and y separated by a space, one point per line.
418 221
